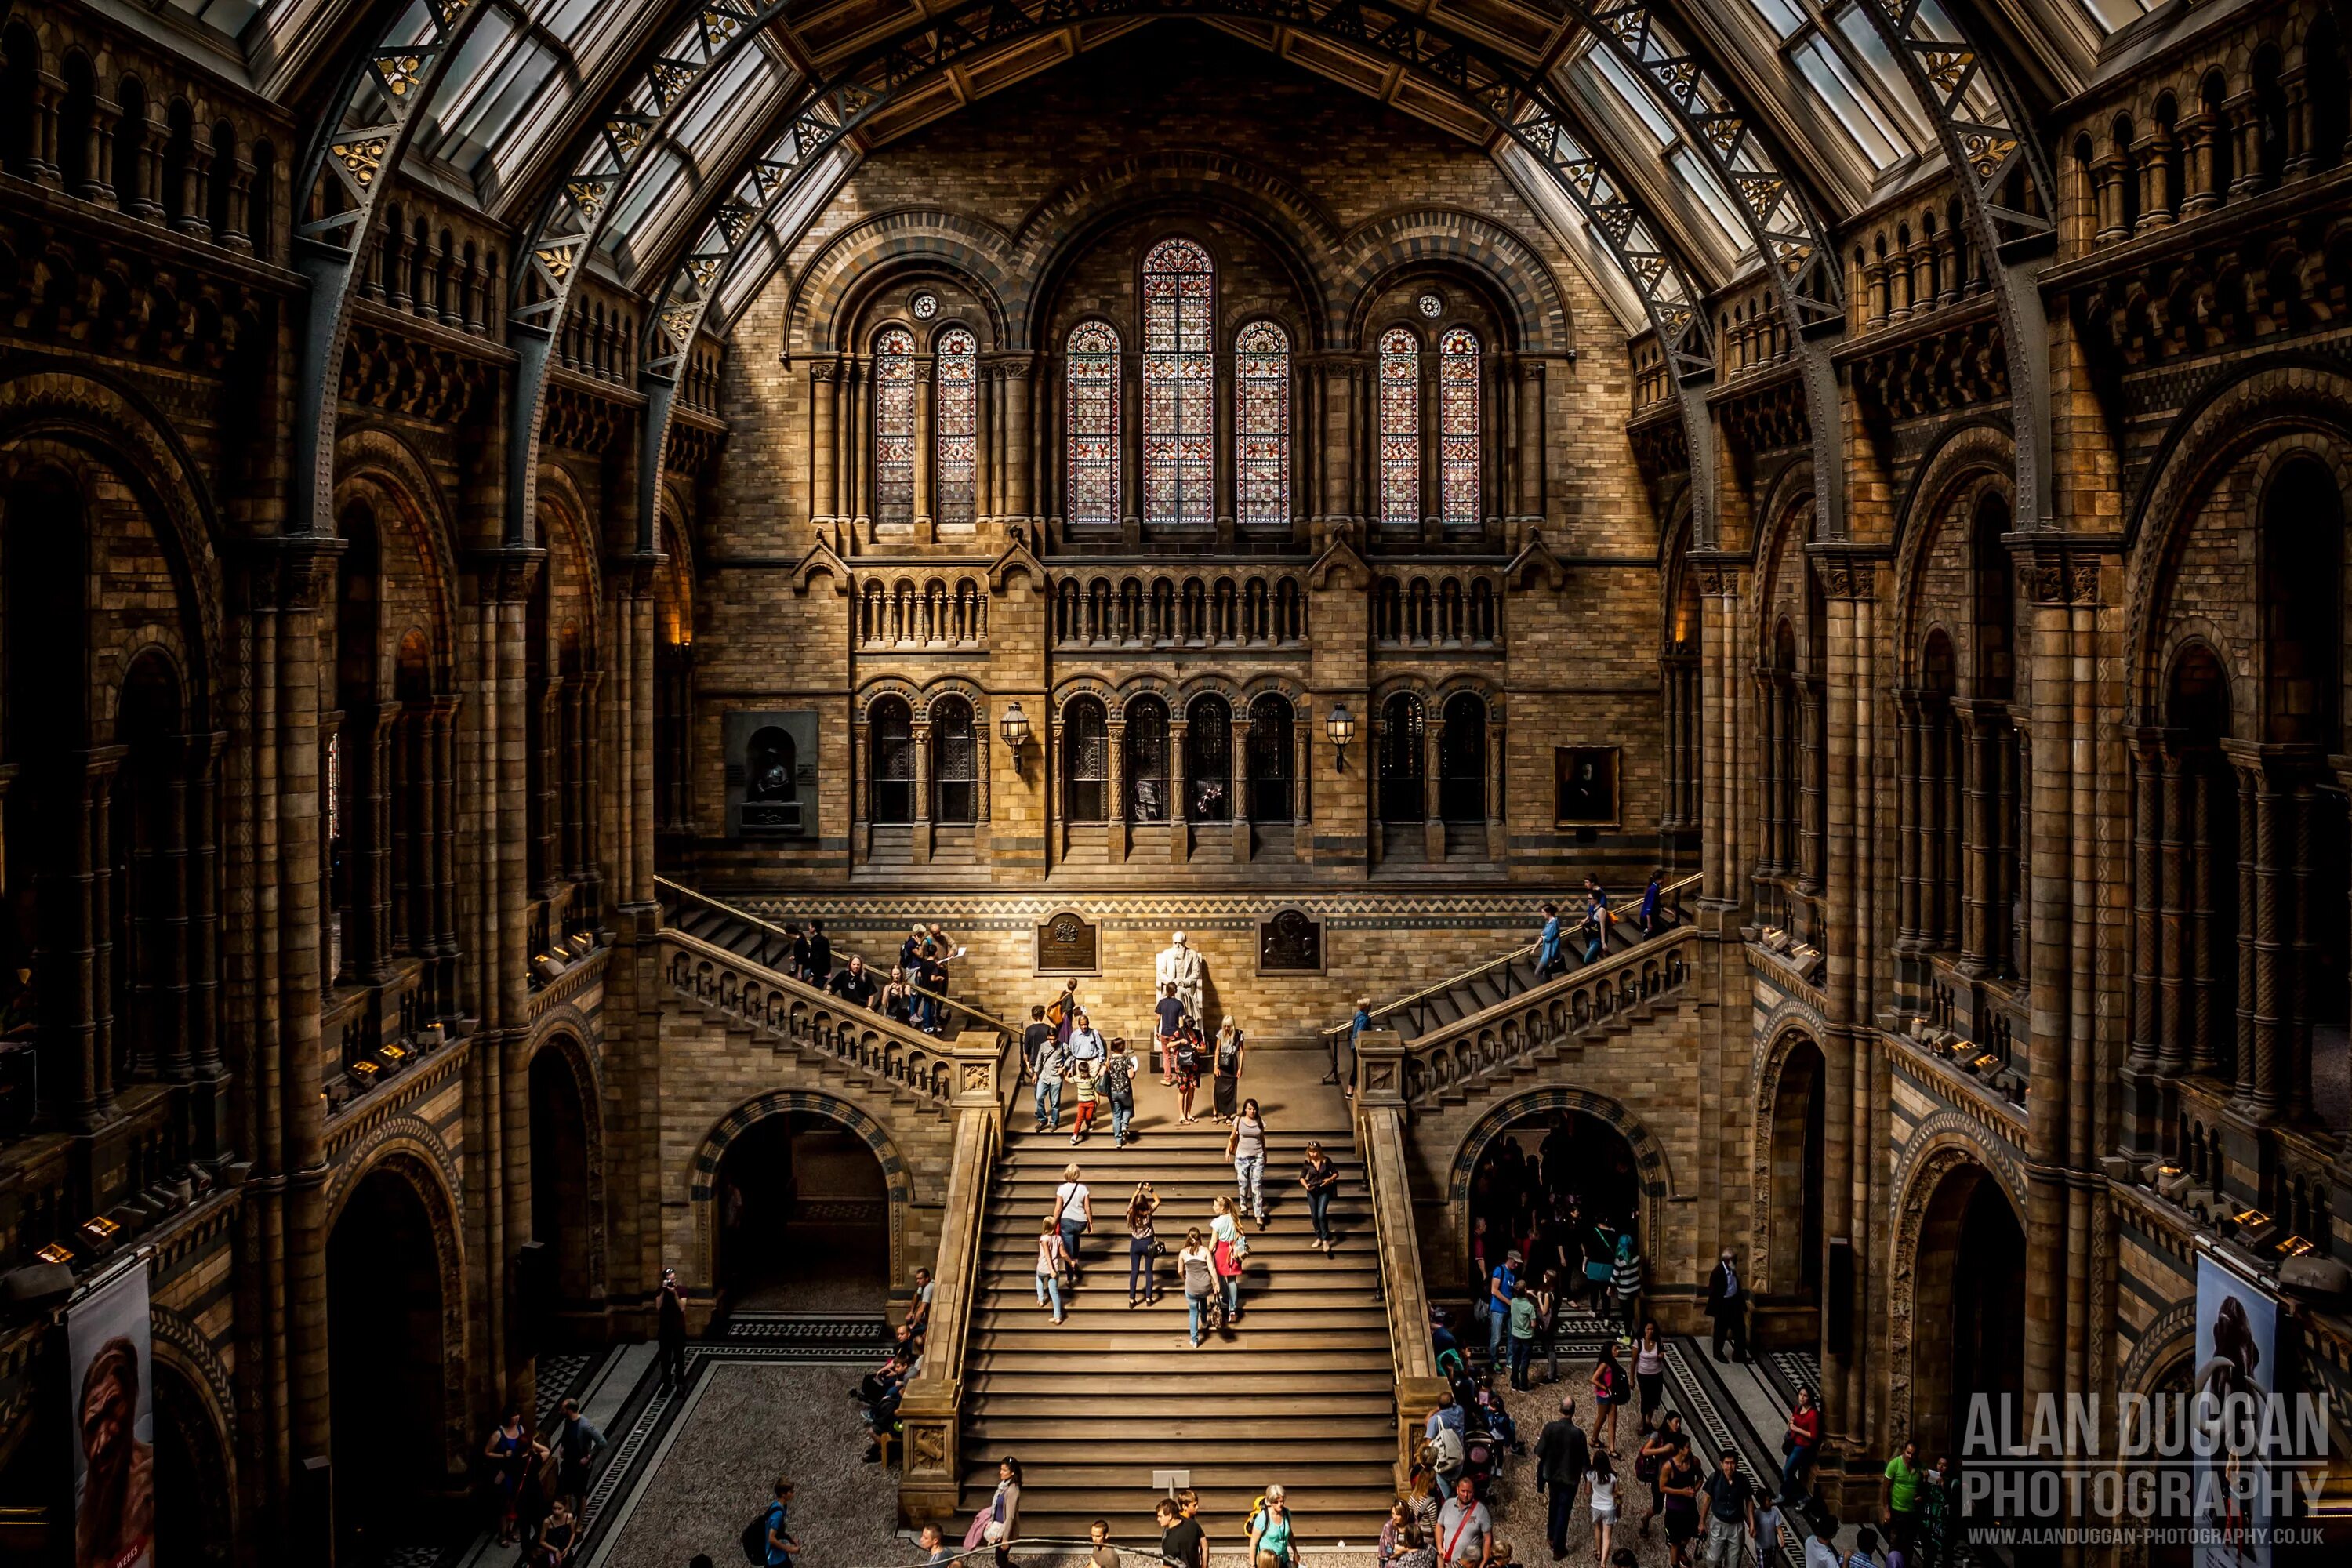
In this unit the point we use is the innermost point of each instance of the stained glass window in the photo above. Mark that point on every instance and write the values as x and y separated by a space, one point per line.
1457 425
1179 381
955 370
1400 426
1091 435
1261 424
894 426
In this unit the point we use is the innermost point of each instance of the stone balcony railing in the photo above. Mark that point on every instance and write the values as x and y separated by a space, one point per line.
1583 1005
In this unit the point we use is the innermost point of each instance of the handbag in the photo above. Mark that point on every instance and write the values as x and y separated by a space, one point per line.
1645 1466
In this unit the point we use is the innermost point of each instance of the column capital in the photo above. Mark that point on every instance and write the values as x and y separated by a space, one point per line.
634 571
1847 571
2060 566
288 573
508 573
1722 574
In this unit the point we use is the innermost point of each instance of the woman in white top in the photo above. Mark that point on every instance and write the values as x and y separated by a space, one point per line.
1197 1268
1229 1248
1004 1512
1074 1211
1050 1256
1650 1371
1604 1476
1245 1147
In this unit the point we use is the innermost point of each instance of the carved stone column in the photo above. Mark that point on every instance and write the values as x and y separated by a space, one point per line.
1115 814
823 398
1242 836
1433 823
921 835
925 506
1180 786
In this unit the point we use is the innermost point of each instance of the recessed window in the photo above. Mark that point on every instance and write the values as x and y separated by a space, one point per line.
925 306
1431 305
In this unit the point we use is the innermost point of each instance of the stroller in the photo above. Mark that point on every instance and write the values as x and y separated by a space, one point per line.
1482 1459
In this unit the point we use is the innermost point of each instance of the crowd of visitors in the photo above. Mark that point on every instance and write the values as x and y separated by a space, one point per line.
915 991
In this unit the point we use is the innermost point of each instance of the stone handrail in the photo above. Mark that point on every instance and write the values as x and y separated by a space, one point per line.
812 1020
1575 1003
776 938
1670 895
1380 1113
930 1411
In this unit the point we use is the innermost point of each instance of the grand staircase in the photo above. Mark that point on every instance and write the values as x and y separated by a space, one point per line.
1300 1392
1426 1014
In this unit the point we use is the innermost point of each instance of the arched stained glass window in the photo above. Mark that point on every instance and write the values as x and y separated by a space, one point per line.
1091 437
1457 426
955 376
1179 381
1261 424
1400 426
894 426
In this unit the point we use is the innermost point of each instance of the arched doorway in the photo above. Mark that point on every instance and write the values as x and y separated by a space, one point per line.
385 1366
1790 1248
1559 1185
803 1218
559 1280
1968 1303
195 1518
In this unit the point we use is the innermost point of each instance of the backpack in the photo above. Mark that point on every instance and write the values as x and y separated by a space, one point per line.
755 1536
1200 1276
1119 1076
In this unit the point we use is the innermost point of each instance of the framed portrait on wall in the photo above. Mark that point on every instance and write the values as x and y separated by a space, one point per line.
1584 787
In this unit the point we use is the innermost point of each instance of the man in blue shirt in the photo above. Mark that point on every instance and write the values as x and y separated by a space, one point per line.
780 1545
1501 1286
1346 1075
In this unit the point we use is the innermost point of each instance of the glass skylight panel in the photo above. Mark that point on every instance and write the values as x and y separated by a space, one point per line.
2114 14
1825 71
1700 180
1782 16
1629 93
1871 50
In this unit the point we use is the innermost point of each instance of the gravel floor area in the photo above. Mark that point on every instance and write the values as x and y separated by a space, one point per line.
753 1421
1520 1512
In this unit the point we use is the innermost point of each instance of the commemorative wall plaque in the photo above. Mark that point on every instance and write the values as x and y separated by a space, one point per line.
1068 945
1290 941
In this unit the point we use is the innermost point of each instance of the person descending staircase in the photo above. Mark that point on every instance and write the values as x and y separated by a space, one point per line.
1300 1392
1427 1012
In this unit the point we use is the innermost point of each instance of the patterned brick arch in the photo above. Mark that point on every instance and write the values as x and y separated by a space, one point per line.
825 296
73 417
2290 401
1655 1180
1536 309
1938 1147
703 1173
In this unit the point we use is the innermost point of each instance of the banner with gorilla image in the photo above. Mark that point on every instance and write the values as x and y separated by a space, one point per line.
113 1423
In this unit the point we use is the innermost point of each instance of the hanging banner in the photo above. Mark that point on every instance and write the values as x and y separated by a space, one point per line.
113 1422
2237 1369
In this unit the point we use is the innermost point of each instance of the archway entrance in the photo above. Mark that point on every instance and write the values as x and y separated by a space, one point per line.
1558 1184
803 1219
559 1280
1970 1306
384 1366
194 1519
1791 1261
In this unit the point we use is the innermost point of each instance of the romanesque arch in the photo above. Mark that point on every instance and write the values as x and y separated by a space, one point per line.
702 1173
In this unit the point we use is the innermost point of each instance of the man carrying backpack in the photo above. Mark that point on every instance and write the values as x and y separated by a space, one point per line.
1118 1084
766 1539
